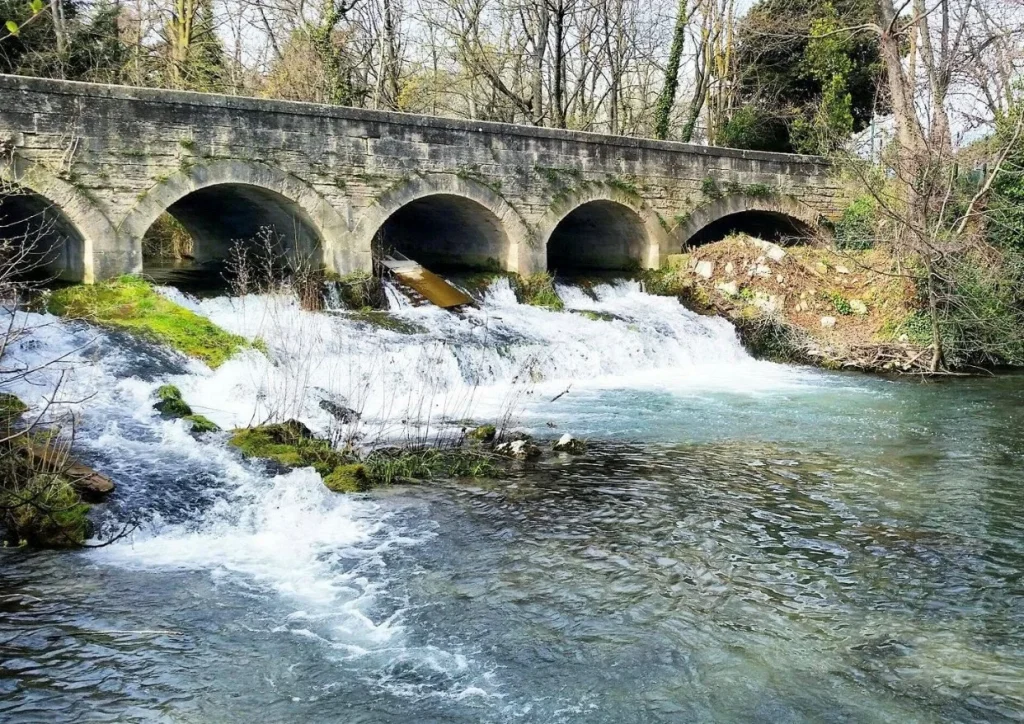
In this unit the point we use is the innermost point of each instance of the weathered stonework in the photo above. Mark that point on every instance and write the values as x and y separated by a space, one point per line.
112 159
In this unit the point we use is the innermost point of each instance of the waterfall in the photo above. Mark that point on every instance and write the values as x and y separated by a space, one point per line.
201 507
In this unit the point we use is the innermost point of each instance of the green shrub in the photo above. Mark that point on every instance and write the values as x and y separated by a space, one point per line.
538 290
855 229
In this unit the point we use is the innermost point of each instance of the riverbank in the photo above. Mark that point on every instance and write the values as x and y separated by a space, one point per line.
805 304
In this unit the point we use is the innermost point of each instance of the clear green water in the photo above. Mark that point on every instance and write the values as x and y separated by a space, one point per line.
847 553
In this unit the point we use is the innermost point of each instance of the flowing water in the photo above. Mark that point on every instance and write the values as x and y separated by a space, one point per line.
743 541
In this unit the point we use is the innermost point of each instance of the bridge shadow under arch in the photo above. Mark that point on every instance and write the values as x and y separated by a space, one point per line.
781 220
447 223
445 232
249 205
601 229
39 241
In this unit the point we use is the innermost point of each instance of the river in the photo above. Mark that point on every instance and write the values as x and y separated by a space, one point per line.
743 541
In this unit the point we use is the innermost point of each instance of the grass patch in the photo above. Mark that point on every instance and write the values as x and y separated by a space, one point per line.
130 303
290 444
537 290
389 466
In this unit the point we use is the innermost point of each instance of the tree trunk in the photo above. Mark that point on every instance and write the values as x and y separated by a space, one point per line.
668 91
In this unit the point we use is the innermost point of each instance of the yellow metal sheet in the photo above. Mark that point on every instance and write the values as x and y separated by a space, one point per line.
432 287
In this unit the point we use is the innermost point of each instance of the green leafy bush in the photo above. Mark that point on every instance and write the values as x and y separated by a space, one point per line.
855 230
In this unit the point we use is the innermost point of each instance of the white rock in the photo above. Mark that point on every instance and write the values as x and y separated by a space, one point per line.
569 444
858 307
840 269
828 322
705 269
776 252
779 278
729 289
522 449
762 271
729 268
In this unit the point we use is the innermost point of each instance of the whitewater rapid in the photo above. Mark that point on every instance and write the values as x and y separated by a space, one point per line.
200 507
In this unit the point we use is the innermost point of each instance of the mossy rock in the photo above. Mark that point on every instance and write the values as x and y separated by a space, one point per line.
11 409
201 424
56 517
484 433
290 444
130 303
350 478
170 402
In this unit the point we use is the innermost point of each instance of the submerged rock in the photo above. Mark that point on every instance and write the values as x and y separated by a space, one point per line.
569 444
519 449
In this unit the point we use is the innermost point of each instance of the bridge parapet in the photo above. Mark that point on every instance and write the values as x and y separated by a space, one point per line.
110 159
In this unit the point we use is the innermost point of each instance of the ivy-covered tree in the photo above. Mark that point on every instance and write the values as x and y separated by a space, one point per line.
801 77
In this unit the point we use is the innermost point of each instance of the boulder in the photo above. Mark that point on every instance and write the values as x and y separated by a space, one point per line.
519 449
91 485
705 269
484 433
170 402
729 289
344 415
569 444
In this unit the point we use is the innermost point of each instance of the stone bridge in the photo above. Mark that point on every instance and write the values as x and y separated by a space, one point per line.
96 165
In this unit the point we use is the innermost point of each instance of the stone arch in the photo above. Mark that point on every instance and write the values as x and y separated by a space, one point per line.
774 215
254 193
446 220
601 227
84 243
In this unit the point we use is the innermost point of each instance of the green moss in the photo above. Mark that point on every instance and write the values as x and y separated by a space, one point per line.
537 290
11 408
130 303
290 444
484 433
170 402
351 478
202 424
45 512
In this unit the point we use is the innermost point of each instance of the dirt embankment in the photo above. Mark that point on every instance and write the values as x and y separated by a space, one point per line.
803 303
